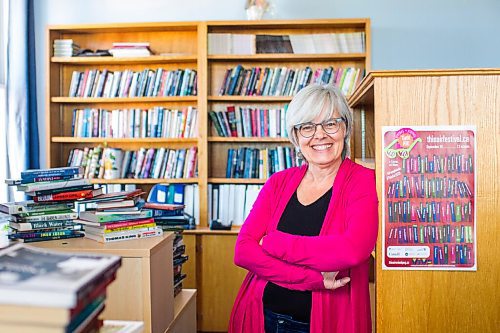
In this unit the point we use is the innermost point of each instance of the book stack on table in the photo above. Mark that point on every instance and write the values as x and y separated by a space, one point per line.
50 214
47 291
116 217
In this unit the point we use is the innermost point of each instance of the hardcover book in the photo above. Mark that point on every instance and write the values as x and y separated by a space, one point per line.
40 277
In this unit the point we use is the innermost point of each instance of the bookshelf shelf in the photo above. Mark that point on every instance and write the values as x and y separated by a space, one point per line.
250 99
236 181
74 140
121 61
289 57
145 181
89 100
247 139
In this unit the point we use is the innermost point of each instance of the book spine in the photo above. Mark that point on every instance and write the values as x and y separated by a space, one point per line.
50 217
43 239
87 194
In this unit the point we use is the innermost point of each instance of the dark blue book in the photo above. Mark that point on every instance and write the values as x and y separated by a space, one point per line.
169 212
32 174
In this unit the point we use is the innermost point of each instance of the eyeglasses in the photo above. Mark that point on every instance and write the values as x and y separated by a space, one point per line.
330 126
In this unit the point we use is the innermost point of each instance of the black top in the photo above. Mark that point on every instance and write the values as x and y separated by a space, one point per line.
297 219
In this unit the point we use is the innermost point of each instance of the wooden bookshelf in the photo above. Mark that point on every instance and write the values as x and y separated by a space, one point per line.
184 45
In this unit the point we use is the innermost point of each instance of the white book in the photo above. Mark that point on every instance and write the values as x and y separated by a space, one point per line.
196 206
239 204
230 203
209 200
41 277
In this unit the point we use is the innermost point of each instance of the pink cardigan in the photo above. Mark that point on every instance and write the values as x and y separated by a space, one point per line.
345 242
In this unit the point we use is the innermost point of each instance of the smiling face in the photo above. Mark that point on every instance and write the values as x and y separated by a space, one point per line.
323 149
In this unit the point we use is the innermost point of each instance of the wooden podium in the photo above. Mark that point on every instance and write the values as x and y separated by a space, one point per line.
143 289
438 301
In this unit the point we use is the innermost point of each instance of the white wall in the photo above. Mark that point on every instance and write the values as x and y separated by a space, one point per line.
406 34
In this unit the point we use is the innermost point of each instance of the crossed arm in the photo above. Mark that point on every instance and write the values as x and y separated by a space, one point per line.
296 262
334 252
250 255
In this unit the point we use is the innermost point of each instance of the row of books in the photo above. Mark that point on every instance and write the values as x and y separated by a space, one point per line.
156 122
284 81
65 48
249 122
429 187
179 258
231 203
129 83
247 162
115 163
53 291
317 43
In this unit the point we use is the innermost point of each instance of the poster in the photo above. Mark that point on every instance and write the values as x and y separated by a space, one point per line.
429 191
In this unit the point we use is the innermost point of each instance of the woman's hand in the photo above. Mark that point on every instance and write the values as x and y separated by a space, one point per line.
330 282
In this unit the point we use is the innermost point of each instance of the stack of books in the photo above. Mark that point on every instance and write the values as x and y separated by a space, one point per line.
128 49
116 217
65 48
49 215
179 259
48 291
170 216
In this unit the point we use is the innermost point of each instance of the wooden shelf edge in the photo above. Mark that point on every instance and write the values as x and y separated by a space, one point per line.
249 98
235 230
287 56
253 181
247 139
124 60
145 181
70 139
81 100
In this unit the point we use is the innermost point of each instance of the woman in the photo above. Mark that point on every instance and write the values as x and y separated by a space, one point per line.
307 240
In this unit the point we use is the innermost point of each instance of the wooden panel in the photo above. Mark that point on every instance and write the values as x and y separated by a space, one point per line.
189 268
438 301
220 282
185 313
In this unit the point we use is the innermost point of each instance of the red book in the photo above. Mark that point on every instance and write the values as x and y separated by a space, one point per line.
162 206
232 119
65 196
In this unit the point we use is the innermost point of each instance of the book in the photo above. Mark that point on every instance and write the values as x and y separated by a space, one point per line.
91 216
48 217
66 196
27 226
30 206
125 235
53 172
49 238
42 186
41 277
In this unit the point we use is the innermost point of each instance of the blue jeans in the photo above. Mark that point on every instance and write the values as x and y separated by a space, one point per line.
278 323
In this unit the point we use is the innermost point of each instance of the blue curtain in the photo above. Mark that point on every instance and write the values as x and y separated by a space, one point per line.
21 109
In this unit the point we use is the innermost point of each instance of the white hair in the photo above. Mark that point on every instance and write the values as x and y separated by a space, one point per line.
311 102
